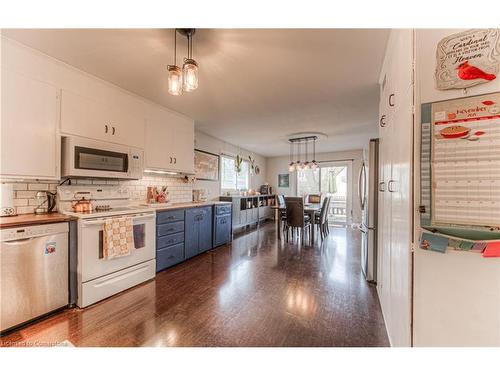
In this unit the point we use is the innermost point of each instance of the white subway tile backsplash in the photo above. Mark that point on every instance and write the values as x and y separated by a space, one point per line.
38 186
25 194
20 186
20 202
178 190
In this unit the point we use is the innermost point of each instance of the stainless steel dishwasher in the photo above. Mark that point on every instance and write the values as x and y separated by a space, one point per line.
33 272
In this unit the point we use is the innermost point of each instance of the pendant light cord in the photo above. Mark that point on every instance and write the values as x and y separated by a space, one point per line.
175 46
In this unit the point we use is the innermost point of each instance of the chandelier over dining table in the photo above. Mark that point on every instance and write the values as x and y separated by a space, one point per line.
299 153
185 79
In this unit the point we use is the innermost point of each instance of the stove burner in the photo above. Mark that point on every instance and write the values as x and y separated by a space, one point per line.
103 207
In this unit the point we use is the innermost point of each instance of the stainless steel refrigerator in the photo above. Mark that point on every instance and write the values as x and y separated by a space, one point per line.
367 193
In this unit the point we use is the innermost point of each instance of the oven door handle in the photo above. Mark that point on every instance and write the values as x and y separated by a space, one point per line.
88 223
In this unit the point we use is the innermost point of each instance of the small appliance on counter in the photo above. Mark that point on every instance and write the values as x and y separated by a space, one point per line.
7 200
266 189
200 195
45 202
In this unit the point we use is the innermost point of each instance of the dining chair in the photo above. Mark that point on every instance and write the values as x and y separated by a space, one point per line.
296 219
282 212
314 198
321 219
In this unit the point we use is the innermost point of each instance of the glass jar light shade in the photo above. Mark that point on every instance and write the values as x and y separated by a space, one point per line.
190 75
174 80
314 165
291 167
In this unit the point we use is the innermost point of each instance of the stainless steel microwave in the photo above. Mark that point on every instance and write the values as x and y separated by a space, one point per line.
82 157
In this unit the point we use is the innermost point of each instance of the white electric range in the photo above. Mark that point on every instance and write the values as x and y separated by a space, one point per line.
99 278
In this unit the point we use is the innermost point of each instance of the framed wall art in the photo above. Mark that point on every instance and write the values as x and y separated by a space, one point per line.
284 180
206 165
467 59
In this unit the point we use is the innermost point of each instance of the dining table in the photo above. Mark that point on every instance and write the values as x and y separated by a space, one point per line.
310 209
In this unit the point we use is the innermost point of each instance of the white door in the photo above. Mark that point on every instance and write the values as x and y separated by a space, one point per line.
127 128
169 142
183 147
30 145
333 179
336 183
93 119
84 117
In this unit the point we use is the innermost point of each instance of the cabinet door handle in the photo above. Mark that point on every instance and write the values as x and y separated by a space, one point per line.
170 160
175 160
390 187
382 121
113 133
391 102
381 186
106 129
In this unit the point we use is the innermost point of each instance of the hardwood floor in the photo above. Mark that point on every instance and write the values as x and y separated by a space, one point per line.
254 292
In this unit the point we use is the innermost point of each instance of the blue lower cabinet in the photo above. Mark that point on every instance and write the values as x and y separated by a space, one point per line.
169 256
222 229
198 231
169 238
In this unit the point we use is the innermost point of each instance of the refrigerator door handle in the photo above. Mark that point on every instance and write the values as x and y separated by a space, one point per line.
362 178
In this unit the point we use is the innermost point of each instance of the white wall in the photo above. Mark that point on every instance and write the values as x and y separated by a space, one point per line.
456 295
279 165
208 143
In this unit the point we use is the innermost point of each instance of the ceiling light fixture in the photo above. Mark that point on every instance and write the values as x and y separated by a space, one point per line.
190 67
302 165
174 73
185 79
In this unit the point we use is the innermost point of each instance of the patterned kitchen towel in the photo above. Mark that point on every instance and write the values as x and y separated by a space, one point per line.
118 237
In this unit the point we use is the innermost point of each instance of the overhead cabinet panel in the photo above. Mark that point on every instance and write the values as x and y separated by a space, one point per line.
169 142
29 142
93 119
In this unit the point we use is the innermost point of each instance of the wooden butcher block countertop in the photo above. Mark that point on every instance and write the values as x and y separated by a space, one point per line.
32 219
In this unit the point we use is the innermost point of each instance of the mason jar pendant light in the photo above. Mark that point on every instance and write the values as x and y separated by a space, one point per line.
174 73
306 163
185 79
314 163
190 67
291 166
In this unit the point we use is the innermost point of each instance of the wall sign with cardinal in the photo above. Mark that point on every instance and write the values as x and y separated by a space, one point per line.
467 59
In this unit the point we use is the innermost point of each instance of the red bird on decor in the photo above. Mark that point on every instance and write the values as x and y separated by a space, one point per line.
468 72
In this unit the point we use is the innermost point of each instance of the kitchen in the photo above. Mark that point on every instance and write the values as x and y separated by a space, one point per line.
187 218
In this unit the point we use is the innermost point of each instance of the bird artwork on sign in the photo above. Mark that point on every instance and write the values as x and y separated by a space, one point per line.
468 72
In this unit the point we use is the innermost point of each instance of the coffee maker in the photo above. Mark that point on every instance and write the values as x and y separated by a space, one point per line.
45 202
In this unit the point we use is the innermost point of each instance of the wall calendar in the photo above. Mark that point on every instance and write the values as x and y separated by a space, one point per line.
460 165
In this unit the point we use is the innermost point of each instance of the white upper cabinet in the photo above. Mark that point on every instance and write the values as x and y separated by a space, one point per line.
93 119
169 142
30 146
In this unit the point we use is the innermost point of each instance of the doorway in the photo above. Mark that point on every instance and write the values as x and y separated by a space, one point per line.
331 179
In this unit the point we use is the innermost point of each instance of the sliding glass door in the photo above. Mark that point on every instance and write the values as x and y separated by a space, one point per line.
333 179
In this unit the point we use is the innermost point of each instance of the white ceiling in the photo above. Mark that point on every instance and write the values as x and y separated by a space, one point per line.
256 86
